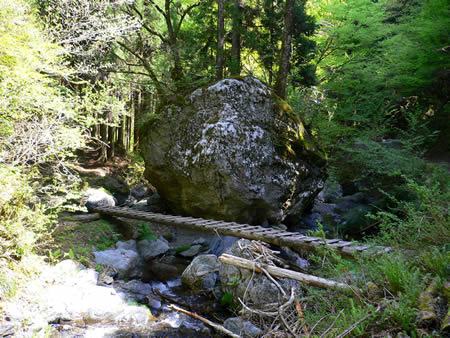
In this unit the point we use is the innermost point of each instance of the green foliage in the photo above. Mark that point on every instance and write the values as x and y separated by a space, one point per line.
36 115
22 218
420 223
226 299
375 58
144 232
78 241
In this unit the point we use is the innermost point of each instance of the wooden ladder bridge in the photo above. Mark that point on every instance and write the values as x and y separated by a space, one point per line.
252 232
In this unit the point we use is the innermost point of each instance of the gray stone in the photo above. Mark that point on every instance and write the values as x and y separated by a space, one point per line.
115 185
98 198
294 258
135 288
122 261
254 289
194 250
163 271
140 191
239 154
201 273
219 244
127 245
201 241
156 203
80 303
243 328
150 249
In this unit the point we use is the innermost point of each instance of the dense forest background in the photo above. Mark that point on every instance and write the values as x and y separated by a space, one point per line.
370 78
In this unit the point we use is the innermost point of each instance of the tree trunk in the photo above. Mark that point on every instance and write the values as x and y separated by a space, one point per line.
104 142
220 39
283 71
236 39
111 141
120 133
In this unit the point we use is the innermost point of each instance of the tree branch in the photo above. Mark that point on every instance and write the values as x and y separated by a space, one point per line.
183 16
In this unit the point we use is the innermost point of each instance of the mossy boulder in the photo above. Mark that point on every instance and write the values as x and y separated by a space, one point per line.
233 151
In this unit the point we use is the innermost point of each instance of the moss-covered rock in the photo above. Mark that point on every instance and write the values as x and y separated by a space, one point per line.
233 151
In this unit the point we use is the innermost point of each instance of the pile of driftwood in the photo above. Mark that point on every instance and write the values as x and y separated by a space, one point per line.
282 319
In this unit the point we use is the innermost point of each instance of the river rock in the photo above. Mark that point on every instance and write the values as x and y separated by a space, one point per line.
201 273
80 301
254 289
140 191
98 198
123 261
150 249
239 153
127 245
243 328
194 250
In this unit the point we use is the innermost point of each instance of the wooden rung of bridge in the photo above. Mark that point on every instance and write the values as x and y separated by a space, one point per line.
252 232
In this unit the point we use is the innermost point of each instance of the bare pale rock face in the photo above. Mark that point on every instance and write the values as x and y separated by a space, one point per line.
233 151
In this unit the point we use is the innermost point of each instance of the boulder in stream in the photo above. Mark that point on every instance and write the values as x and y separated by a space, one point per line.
233 151
201 273
254 289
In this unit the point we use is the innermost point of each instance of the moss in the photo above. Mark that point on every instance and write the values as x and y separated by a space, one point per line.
294 139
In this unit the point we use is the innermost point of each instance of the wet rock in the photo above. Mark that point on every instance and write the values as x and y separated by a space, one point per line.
115 185
194 250
142 206
243 328
123 261
135 289
200 241
98 198
163 271
149 249
86 303
255 289
201 273
127 245
7 330
239 154
219 244
140 191
294 258
156 204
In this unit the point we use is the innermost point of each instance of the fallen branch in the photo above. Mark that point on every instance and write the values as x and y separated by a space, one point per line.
298 307
284 273
216 326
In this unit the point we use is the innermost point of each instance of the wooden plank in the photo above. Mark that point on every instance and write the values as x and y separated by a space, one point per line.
252 232
341 244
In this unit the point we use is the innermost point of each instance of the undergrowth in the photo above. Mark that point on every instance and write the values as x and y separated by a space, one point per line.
418 233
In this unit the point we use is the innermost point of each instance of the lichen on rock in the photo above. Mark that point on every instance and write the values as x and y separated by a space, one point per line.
233 151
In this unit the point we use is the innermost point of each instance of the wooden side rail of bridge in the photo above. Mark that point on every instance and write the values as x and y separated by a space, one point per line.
252 232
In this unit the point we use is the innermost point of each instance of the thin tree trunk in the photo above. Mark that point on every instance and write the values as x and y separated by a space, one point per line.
120 133
104 143
236 39
111 141
283 71
220 39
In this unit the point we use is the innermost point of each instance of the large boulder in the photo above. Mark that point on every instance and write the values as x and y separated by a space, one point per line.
233 151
